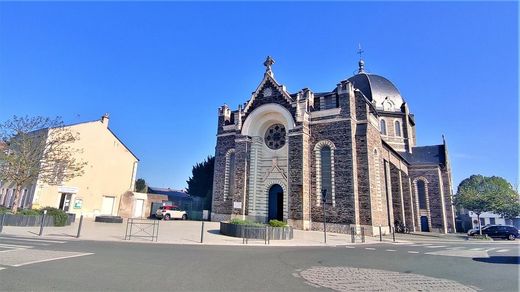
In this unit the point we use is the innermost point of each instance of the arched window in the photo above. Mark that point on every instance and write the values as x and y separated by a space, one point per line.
421 192
229 175
383 127
397 128
324 151
326 175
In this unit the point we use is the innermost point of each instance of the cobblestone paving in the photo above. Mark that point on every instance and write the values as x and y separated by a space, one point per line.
356 279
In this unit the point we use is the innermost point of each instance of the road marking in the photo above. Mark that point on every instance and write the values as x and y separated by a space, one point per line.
29 239
411 251
435 246
416 245
502 250
390 250
14 249
53 259
14 246
477 248
455 248
349 246
370 248
490 249
426 244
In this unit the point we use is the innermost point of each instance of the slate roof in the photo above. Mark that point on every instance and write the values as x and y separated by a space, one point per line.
172 194
426 155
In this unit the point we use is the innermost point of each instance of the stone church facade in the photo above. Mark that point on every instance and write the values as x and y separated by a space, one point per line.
283 155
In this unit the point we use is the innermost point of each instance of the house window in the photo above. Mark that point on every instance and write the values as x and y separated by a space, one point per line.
324 151
492 221
383 127
229 174
482 221
421 191
397 128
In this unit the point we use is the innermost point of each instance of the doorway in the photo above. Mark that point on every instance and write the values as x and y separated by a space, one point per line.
424 224
107 205
275 203
65 201
138 208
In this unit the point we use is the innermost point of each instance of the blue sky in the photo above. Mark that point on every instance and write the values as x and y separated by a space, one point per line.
162 69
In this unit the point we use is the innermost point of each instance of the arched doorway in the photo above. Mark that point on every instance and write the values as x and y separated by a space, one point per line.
275 203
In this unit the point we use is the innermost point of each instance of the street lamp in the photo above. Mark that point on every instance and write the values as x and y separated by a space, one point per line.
324 200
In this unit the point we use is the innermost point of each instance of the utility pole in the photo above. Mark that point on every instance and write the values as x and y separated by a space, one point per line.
324 199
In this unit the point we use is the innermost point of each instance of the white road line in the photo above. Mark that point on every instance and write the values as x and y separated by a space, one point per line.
416 245
477 248
390 250
370 248
455 248
411 251
435 246
29 239
8 250
426 244
14 246
490 249
349 246
502 250
52 259
2 268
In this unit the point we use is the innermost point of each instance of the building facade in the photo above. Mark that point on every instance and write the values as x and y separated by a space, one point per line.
280 152
109 172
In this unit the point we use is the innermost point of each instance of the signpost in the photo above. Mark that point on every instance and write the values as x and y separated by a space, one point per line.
324 199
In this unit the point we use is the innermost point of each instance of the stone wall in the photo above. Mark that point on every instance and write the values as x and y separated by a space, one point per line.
219 205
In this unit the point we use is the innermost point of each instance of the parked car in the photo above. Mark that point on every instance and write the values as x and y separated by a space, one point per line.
500 231
170 212
475 231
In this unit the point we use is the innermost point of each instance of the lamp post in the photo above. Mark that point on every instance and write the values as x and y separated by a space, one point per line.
324 199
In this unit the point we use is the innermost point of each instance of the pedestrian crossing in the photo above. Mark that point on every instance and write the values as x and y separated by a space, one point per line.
21 251
468 251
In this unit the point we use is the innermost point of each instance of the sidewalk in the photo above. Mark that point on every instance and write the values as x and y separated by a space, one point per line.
178 232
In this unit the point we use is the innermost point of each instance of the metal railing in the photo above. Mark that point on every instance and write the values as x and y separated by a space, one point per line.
355 235
142 228
256 232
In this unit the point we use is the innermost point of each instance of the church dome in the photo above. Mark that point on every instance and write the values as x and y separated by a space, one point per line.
383 93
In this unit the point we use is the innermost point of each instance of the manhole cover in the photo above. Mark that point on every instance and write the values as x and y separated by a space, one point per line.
356 279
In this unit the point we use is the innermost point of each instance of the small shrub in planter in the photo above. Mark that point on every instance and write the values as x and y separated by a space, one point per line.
4 210
60 217
29 212
244 222
277 223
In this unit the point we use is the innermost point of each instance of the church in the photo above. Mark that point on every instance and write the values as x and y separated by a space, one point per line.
350 153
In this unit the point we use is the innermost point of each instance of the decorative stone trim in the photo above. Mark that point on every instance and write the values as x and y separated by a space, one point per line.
317 153
271 182
427 198
377 170
227 173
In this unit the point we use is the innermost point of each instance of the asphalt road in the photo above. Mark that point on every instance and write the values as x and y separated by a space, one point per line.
106 266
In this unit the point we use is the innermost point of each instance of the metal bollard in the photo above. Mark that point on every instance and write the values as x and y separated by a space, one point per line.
2 223
79 227
393 234
265 235
243 234
380 234
202 233
363 234
43 222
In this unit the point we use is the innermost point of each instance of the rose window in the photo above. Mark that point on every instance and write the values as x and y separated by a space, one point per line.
275 136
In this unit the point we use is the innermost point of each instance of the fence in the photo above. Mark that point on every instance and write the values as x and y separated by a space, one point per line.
355 235
255 232
142 228
31 220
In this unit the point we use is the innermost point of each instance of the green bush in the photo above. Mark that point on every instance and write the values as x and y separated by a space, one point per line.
29 212
245 222
4 210
277 223
60 217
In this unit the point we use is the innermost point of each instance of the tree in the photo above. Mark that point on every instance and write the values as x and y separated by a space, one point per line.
37 149
486 194
140 186
200 184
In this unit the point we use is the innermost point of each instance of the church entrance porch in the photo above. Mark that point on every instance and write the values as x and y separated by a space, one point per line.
275 208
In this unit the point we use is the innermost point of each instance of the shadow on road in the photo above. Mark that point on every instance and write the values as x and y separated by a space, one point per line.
214 231
512 260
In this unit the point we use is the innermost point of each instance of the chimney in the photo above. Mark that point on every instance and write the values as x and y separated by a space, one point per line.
105 119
